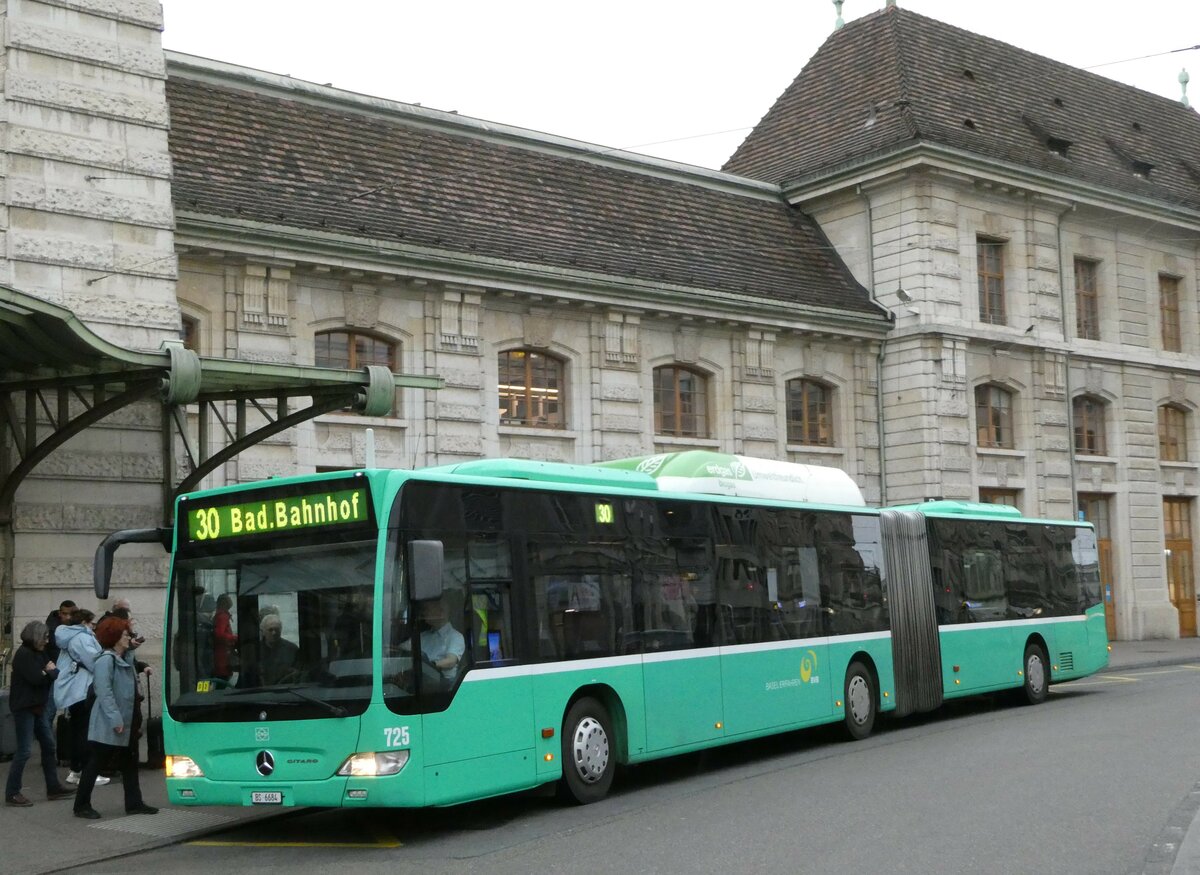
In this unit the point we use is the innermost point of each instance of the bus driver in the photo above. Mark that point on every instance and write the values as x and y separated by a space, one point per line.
442 646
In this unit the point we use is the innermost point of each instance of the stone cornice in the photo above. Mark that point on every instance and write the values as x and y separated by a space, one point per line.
1057 189
249 239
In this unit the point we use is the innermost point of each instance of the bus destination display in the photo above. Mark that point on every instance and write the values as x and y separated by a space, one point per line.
278 515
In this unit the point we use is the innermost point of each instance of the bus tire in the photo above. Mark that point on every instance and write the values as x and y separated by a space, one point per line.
860 701
1036 671
588 753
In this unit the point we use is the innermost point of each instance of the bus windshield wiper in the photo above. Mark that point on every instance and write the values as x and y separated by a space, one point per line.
335 710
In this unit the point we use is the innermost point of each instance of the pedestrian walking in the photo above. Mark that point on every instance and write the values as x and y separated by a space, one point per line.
72 690
110 729
33 673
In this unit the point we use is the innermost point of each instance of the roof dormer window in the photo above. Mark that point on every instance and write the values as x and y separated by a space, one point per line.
1140 169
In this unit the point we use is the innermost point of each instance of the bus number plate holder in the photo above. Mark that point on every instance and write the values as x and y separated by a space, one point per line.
266 797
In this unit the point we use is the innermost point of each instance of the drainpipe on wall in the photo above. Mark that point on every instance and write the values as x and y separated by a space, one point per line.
1062 303
879 357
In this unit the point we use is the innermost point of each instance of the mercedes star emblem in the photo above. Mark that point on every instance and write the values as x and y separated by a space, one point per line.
265 763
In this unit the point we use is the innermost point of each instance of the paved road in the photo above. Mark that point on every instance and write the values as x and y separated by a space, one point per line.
1090 782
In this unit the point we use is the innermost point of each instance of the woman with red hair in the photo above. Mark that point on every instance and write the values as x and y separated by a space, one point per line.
109 735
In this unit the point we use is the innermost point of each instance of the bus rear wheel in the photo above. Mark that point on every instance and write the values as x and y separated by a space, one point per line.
587 753
1037 674
860 701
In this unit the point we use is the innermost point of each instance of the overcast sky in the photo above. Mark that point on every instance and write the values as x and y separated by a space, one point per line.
678 80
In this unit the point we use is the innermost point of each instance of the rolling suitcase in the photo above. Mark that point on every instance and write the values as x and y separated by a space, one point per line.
155 749
8 729
62 738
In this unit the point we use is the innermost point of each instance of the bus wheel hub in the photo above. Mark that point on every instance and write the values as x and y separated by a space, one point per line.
590 750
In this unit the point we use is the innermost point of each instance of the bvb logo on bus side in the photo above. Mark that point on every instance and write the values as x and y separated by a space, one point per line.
808 665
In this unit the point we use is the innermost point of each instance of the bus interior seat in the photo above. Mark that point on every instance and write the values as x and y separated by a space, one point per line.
586 633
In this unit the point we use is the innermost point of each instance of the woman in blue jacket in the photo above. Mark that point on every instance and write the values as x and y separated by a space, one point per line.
78 649
110 738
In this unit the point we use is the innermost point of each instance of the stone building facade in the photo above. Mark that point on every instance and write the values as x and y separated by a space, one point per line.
1036 231
946 286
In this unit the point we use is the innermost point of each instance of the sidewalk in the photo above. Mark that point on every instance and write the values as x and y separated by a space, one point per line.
47 838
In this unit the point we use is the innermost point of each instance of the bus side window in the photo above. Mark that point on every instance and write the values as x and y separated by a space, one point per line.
491 625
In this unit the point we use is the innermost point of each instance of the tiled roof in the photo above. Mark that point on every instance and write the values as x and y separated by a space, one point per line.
338 167
923 80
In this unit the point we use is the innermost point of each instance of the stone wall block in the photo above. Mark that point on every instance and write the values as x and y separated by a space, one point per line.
621 449
759 403
146 13
461 378
89 152
620 392
612 422
74 46
90 101
91 202
764 433
460 444
542 451
460 412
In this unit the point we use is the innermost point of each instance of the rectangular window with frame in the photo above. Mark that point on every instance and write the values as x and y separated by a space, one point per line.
1009 497
991 281
1168 307
1087 299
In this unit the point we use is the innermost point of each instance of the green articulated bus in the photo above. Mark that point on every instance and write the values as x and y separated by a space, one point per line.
417 638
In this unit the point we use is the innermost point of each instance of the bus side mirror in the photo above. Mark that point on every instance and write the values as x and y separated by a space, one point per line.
102 565
424 570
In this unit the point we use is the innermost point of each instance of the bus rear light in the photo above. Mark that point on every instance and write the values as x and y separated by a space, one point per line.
374 765
182 767
549 757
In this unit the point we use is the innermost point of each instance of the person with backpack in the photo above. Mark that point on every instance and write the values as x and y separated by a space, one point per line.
78 651
110 728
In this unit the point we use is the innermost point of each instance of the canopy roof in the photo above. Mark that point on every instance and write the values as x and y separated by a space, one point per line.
42 342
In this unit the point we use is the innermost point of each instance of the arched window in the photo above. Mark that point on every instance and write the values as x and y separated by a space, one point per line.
809 413
353 350
680 402
994 417
1088 414
531 389
1172 433
350 349
191 333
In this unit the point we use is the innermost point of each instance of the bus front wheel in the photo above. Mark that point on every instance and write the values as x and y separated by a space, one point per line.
860 701
1037 674
587 753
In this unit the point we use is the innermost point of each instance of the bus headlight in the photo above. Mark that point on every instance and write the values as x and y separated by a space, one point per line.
374 764
182 767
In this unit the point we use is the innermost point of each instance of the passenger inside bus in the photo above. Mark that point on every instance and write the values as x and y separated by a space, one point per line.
276 663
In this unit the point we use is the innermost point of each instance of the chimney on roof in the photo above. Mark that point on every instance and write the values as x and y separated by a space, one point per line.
890 4
837 4
1184 78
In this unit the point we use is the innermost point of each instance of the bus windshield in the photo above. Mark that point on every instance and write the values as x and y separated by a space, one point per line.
285 630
